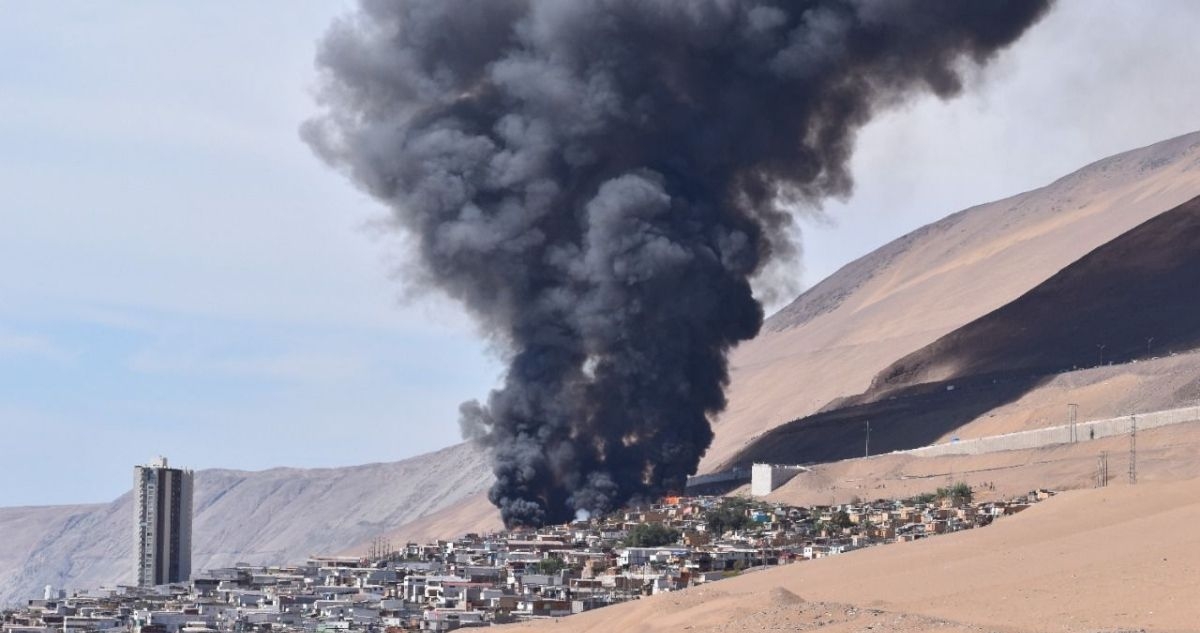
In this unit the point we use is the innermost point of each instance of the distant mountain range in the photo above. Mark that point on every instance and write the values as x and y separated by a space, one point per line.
985 301
278 515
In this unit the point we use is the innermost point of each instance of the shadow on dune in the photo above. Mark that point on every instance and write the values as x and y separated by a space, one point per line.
1133 298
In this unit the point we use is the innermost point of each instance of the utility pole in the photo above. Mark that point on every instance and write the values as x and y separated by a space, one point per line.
867 443
1132 449
1072 413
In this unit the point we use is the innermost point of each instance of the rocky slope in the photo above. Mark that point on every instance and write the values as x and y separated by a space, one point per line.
278 515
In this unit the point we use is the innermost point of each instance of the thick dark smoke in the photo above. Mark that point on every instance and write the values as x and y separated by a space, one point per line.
599 181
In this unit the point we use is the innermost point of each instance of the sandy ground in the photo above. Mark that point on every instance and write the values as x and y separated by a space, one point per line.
1101 392
1121 558
1164 454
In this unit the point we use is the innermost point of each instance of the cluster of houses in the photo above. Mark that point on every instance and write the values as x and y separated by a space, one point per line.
480 580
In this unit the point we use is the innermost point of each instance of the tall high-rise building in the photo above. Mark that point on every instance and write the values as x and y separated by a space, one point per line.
162 523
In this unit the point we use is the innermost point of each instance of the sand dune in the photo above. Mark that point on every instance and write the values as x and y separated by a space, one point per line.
1165 454
837 336
1129 300
1116 558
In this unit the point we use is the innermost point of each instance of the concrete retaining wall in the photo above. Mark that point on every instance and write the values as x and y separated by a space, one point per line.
767 477
726 476
1058 434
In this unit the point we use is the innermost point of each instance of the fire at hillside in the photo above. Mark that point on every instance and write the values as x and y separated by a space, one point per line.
603 184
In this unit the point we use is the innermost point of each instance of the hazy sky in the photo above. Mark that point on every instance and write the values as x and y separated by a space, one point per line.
181 276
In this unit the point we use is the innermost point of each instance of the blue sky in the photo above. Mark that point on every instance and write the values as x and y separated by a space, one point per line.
180 276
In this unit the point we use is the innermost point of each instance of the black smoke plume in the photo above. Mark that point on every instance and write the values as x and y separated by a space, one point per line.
598 182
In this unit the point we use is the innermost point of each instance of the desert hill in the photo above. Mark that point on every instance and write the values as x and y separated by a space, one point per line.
835 338
1110 307
1130 299
273 516
1164 454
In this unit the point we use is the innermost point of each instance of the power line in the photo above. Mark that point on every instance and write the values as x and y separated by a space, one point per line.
1133 449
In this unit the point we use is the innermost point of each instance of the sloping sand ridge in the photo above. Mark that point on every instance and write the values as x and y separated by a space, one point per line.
1116 558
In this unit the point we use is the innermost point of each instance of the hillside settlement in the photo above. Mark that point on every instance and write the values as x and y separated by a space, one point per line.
509 576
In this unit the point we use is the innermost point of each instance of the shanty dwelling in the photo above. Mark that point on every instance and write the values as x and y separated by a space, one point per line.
637 556
449 620
538 606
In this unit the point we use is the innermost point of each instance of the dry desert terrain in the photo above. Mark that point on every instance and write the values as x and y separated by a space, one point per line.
1120 558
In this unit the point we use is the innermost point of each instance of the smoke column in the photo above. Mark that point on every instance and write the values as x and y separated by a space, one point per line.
598 182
